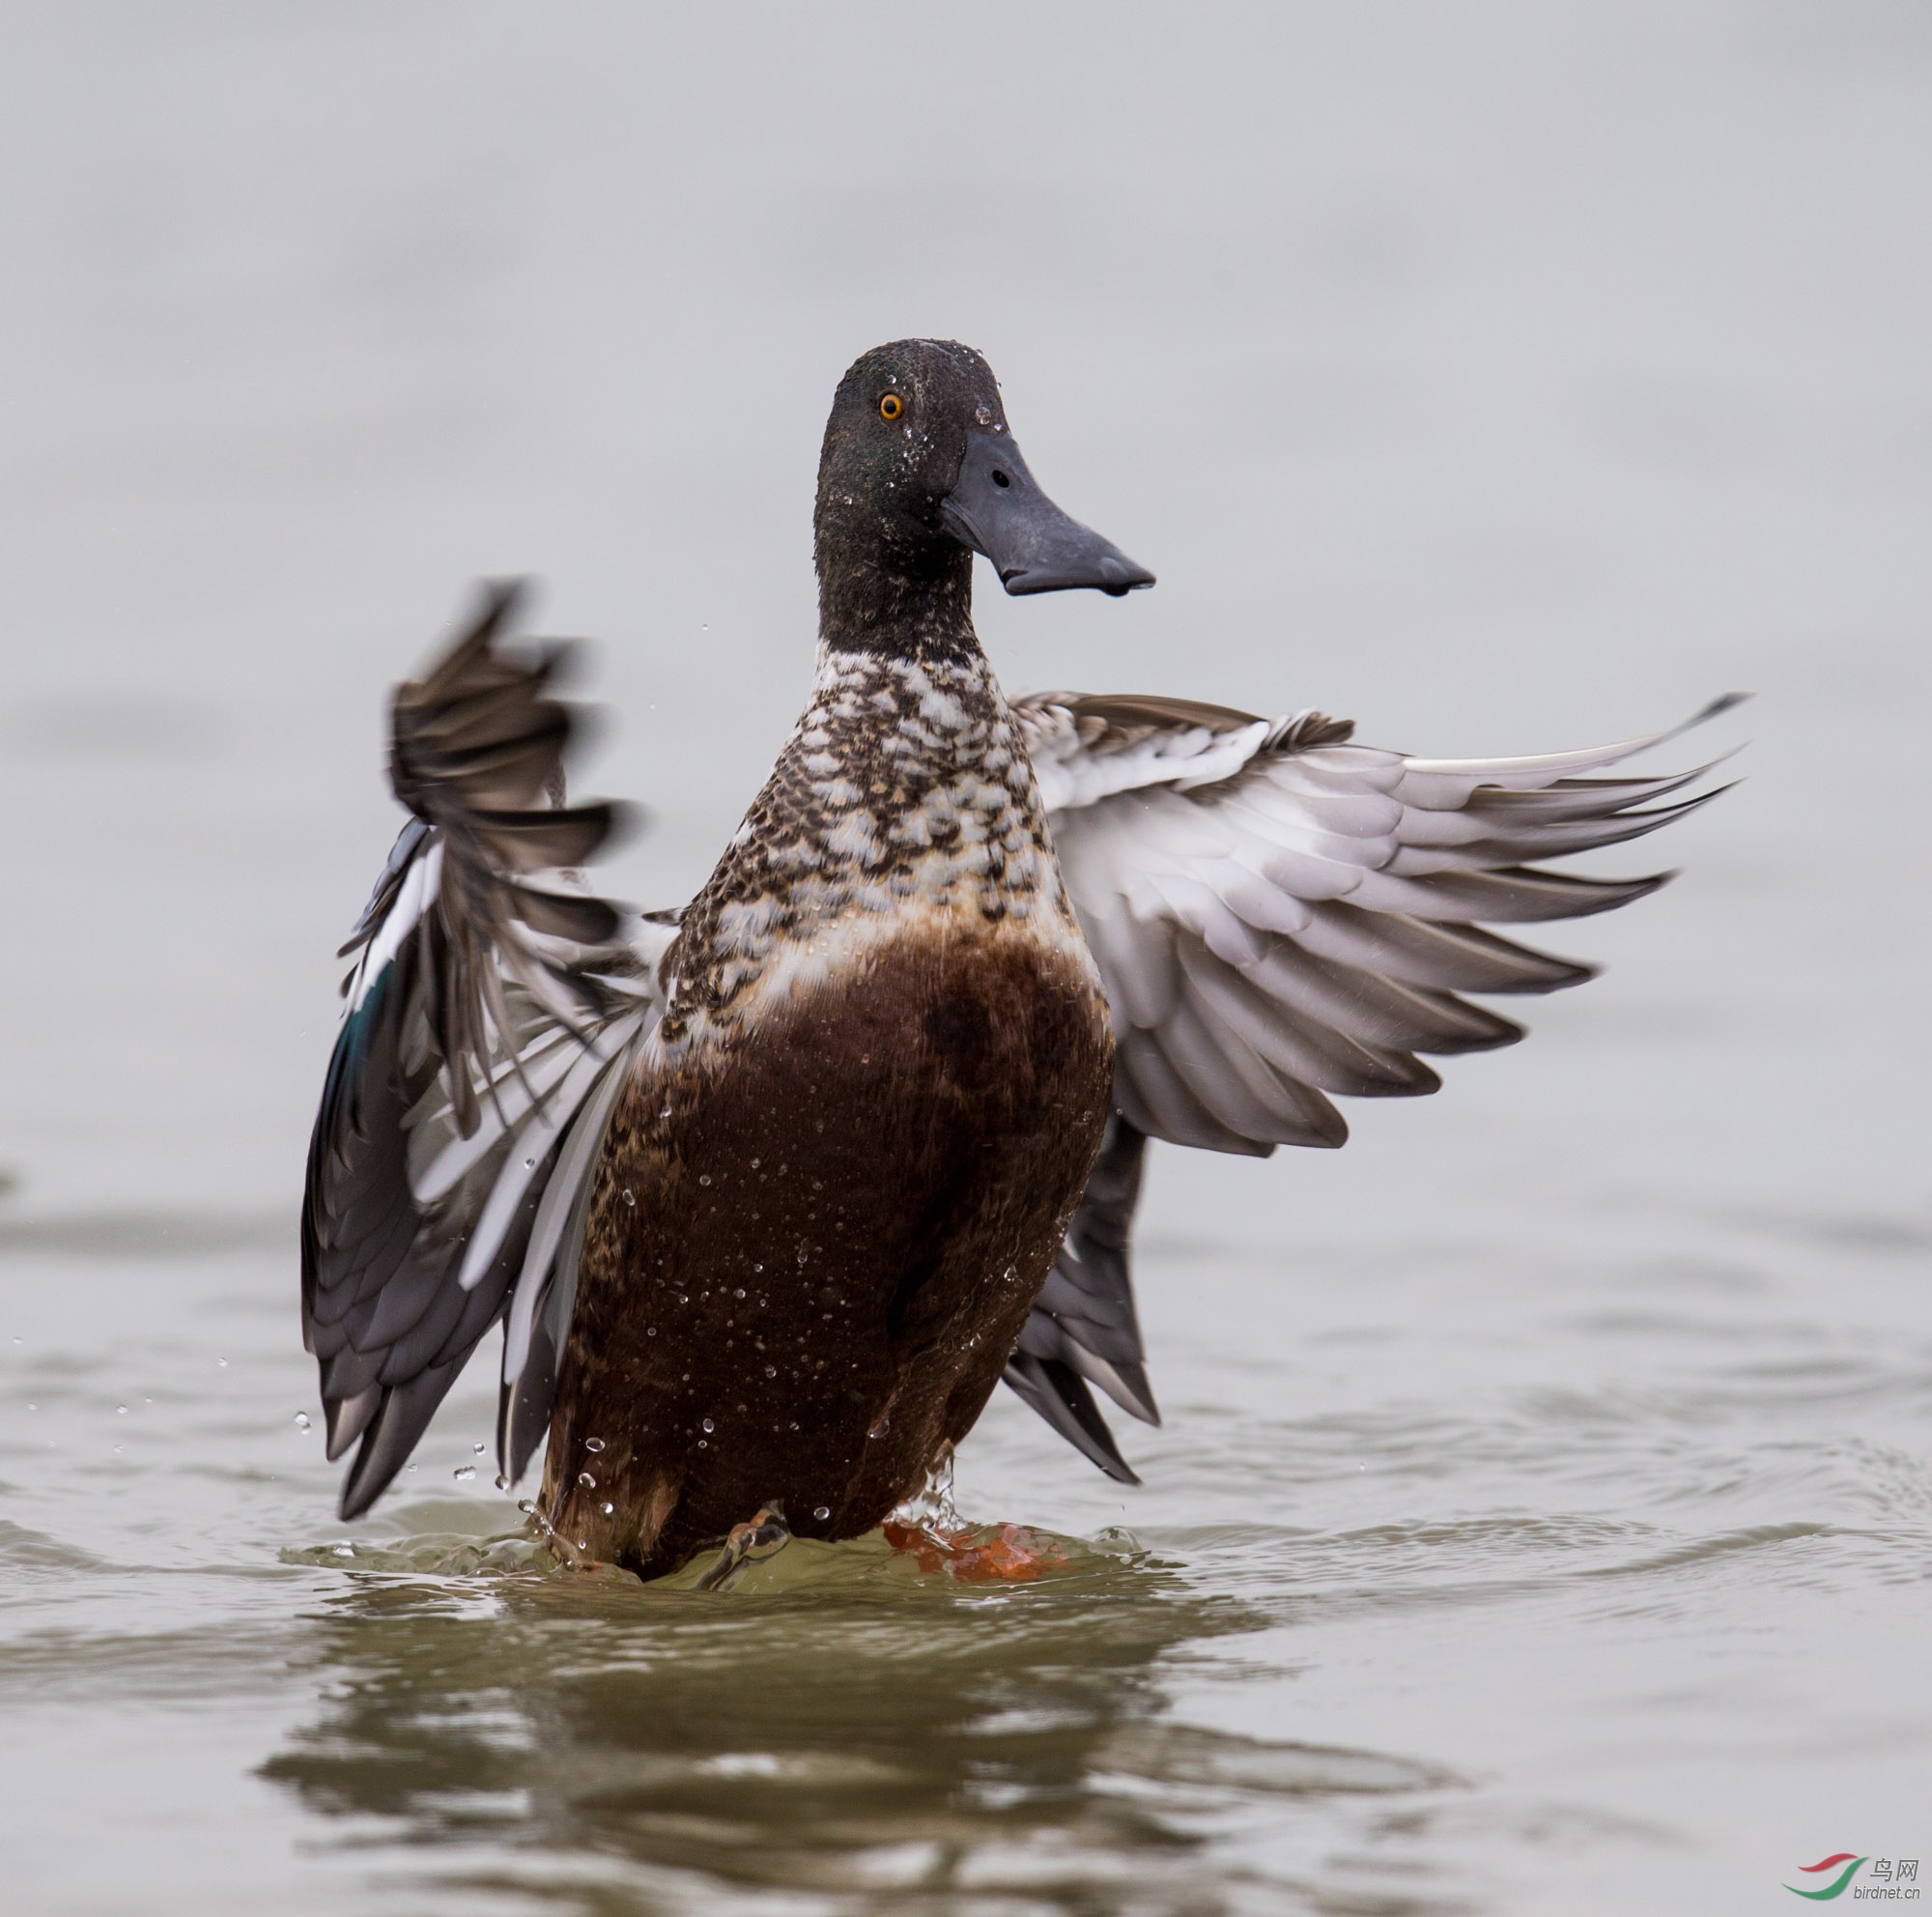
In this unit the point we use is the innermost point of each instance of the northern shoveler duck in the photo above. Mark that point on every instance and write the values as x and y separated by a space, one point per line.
772 1191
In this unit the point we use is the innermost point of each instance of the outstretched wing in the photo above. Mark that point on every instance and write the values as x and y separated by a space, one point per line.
487 1029
1280 917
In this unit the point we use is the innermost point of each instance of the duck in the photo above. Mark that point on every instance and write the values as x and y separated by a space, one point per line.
771 1191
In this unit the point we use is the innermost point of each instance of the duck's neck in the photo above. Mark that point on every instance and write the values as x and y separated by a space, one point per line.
901 600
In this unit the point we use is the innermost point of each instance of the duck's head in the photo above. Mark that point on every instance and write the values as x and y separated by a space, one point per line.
919 472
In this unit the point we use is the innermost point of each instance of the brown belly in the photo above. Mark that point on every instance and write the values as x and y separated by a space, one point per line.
809 1257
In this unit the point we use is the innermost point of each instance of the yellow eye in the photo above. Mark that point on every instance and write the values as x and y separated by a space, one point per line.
890 407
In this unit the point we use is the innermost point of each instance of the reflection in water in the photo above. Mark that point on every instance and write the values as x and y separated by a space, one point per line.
852 1733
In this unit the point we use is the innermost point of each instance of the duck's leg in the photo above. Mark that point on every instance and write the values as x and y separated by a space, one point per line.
749 1543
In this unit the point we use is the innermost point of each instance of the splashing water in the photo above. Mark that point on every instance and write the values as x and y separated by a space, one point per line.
930 1507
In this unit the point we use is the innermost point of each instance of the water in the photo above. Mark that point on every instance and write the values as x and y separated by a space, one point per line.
1541 1520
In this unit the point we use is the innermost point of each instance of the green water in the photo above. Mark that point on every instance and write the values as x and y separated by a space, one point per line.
1500 1570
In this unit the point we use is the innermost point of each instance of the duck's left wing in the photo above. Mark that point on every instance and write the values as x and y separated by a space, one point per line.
1082 1330
490 1013
1281 916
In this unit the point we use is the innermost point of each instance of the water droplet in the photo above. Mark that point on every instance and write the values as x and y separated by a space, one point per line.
581 1546
771 1371
593 1445
410 1467
529 1165
650 1330
222 1362
477 1448
301 1420
755 1166
606 1509
757 1267
823 1512
709 1427
739 1293
120 1411
630 1196
589 1483
463 1474
703 1444
527 1507
704 1178
344 1550
880 1429
503 1483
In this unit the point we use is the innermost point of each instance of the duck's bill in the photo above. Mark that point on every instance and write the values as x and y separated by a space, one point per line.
998 509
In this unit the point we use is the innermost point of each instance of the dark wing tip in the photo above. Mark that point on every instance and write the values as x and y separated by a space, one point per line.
1059 1395
1723 702
1139 1401
399 1421
347 1419
499 602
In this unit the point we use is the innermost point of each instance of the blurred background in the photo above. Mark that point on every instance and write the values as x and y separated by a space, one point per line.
1502 378
1506 377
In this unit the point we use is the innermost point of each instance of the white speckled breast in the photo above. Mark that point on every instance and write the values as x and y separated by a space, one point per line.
904 802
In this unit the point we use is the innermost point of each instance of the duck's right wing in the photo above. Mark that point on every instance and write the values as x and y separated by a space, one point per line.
489 1024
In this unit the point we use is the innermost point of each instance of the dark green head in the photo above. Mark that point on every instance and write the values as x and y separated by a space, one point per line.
919 472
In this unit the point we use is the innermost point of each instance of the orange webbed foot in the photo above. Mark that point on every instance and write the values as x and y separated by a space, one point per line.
978 1553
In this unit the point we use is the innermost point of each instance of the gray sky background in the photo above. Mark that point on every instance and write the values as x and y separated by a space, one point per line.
1504 377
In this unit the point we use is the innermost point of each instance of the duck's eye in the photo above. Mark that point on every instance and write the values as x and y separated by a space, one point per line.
890 407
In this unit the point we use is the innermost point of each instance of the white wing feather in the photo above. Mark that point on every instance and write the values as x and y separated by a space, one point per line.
1279 915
